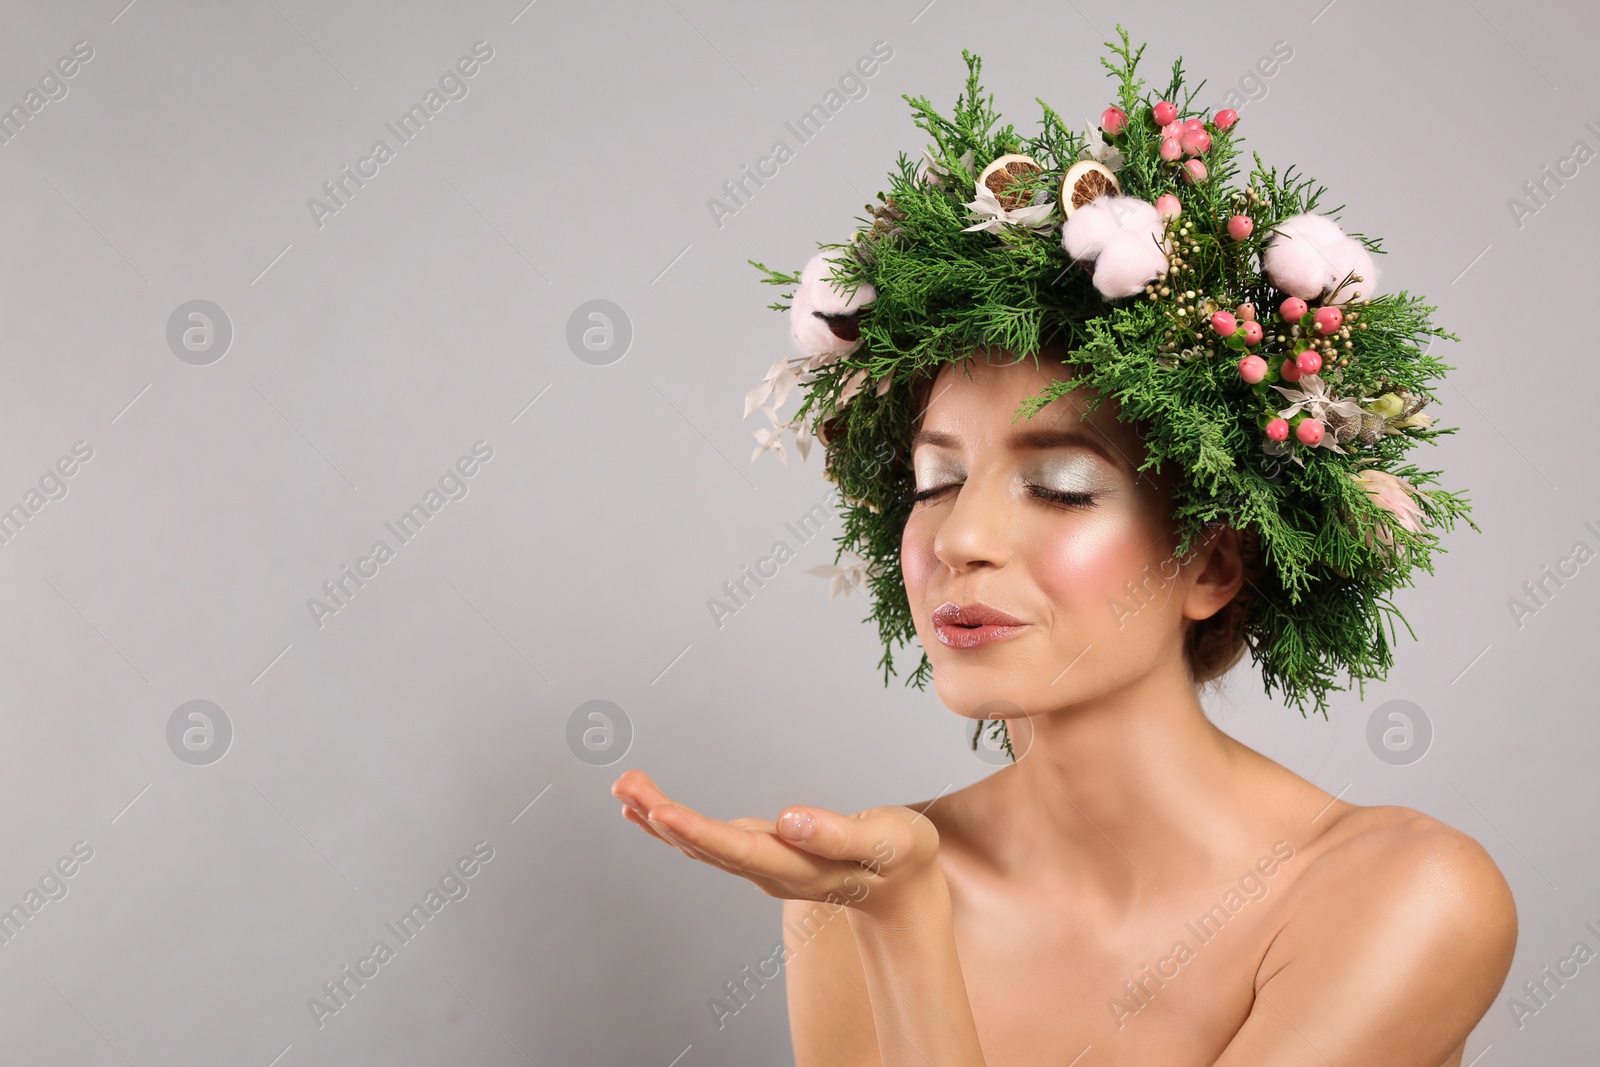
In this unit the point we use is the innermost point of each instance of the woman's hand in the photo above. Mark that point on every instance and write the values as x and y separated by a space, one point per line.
867 861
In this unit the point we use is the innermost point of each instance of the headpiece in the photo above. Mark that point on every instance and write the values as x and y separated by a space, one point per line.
1243 328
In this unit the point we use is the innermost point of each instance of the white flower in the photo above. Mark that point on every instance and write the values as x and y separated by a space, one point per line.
1312 398
775 386
771 440
1097 147
994 218
843 579
933 172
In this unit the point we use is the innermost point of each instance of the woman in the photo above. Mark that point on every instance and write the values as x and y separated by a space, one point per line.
1137 887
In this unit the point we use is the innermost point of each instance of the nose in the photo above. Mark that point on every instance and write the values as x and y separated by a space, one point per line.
975 531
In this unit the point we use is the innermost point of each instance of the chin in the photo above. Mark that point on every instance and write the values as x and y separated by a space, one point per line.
992 690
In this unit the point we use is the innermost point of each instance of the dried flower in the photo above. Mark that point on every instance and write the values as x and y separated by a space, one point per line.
993 217
1395 496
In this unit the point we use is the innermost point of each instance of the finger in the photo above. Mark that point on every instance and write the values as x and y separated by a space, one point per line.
636 788
642 823
633 785
868 837
755 854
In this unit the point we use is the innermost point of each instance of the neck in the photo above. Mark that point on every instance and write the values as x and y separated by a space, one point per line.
1129 793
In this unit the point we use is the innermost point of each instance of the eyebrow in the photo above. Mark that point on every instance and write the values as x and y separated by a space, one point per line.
1027 439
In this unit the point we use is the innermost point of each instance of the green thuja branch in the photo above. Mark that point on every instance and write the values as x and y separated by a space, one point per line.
1322 614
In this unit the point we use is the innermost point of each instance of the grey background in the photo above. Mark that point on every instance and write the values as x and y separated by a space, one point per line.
369 354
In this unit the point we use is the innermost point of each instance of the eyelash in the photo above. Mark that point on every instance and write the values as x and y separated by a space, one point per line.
1073 499
1078 499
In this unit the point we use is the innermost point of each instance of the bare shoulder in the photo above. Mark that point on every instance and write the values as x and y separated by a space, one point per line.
1397 937
1379 849
1398 888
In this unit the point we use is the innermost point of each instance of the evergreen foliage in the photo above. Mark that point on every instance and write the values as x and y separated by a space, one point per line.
1333 558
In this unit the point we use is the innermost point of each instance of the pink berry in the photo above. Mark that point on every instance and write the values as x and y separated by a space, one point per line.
1308 432
1195 141
1289 372
1308 362
1251 331
1225 119
1223 322
1240 227
1168 206
1170 149
1194 170
1164 112
1292 309
1278 429
1194 124
1113 120
1328 319
1252 369
1246 312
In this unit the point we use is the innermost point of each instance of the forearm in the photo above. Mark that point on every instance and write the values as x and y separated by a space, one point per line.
914 980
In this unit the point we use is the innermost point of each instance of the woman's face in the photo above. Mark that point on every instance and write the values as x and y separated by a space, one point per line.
1038 563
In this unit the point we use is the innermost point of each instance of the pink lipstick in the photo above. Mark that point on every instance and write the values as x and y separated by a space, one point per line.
973 625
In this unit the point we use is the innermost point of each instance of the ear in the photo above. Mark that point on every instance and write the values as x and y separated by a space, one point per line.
1217 564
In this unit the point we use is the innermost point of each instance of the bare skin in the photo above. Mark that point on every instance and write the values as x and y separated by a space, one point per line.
1138 888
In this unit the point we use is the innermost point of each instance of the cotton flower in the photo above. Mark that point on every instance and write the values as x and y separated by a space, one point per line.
1123 236
1395 496
1095 146
819 299
1308 255
991 216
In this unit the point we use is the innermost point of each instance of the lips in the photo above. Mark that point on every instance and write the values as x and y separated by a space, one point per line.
977 625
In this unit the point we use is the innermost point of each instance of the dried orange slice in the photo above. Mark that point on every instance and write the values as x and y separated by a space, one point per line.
1084 181
1004 177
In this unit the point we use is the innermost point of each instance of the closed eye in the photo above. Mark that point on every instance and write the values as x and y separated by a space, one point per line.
1055 496
928 494
1061 496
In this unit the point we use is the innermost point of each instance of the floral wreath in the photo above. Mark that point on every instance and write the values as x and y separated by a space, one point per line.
1242 327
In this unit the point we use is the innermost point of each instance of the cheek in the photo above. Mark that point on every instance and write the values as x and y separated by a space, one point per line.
917 561
1082 566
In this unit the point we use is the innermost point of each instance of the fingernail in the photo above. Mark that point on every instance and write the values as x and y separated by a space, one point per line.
797 825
